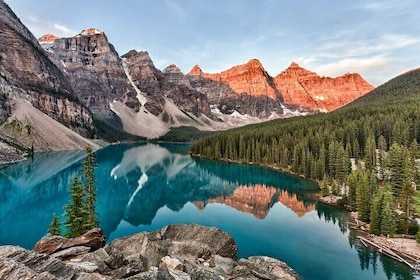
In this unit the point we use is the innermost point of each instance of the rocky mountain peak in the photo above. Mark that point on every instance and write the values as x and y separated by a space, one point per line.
307 89
249 79
47 39
294 65
295 70
90 32
172 69
254 63
141 57
195 71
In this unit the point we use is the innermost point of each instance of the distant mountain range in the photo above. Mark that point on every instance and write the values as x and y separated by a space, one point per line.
82 83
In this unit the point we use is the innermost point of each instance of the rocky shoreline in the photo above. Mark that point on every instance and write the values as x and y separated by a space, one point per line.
9 155
175 252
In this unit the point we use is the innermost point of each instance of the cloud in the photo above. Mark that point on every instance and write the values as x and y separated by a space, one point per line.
62 29
382 44
176 9
371 68
353 65
40 27
380 5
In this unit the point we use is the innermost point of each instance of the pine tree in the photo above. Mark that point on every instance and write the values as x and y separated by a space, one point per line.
381 157
89 166
75 211
389 216
370 151
54 228
351 182
363 196
376 211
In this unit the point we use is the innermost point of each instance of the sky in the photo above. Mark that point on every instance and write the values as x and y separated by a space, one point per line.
379 39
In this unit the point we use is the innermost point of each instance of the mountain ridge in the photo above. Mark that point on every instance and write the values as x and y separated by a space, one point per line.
82 82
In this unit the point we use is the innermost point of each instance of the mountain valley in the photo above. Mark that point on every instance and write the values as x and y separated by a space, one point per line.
82 83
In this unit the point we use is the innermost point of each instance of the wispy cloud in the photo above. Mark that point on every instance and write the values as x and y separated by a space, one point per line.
353 65
379 5
177 9
40 27
368 47
62 29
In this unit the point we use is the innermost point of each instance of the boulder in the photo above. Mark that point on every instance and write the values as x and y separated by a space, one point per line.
175 252
50 244
92 240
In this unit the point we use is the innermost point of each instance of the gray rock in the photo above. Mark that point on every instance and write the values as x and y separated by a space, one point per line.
175 252
31 263
71 253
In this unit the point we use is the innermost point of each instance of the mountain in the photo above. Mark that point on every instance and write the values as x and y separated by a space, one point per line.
294 88
29 78
399 89
306 89
244 92
319 147
83 83
95 71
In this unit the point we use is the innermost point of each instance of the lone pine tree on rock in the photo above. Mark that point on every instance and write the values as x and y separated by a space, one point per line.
54 228
81 211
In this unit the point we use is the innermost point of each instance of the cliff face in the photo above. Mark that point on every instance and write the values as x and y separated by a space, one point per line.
26 73
159 85
95 71
249 78
304 88
247 89
295 88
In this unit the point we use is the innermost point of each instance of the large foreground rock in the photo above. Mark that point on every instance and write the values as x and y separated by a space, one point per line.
174 252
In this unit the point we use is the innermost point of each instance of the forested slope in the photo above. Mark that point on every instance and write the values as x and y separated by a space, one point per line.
380 131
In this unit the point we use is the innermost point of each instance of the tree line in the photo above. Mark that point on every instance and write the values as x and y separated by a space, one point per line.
367 152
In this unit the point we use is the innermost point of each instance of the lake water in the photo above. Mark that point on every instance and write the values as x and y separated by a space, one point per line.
142 187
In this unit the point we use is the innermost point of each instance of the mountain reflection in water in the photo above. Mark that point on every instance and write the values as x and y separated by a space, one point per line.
157 178
148 186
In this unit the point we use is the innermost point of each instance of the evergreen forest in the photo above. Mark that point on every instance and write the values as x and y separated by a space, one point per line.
366 152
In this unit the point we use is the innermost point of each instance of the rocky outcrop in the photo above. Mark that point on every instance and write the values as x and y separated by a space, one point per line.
173 252
93 240
95 71
306 89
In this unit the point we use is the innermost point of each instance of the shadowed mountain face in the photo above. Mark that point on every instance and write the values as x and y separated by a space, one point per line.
26 73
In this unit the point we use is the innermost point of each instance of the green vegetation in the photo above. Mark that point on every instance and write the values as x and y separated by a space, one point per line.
112 129
80 212
54 228
76 211
184 134
380 132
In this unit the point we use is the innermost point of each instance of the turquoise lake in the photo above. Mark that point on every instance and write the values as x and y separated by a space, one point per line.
144 186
